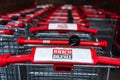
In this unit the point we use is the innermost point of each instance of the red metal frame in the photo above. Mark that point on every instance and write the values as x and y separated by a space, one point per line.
22 41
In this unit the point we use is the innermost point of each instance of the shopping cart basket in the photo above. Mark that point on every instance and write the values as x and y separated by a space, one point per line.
8 45
9 32
9 35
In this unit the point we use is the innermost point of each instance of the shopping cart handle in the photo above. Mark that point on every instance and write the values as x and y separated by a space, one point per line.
65 29
108 61
6 19
25 20
3 59
95 59
20 25
47 23
7 31
41 23
115 16
84 25
22 41
31 16
102 43
8 58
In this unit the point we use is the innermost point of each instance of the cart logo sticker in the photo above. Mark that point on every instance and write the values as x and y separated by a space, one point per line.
59 26
62 26
62 54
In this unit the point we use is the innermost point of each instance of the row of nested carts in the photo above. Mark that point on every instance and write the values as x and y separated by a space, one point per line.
57 43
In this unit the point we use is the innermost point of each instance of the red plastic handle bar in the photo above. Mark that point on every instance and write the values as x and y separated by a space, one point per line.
47 19
7 59
65 14
6 18
115 16
22 41
20 25
93 31
25 20
31 16
63 18
41 23
60 17
47 23
7 32
108 60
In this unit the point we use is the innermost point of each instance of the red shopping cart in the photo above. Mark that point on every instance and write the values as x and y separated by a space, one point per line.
63 59
43 71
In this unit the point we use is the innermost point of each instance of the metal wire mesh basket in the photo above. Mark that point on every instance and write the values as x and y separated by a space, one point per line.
8 44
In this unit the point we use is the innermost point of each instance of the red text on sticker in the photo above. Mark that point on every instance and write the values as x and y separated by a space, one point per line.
62 51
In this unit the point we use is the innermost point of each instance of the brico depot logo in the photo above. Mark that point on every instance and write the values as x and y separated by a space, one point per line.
62 54
62 26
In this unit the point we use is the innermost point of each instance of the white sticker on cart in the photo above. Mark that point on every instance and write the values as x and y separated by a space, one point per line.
59 26
63 55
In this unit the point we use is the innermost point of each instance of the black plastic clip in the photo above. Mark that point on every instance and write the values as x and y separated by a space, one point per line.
74 41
